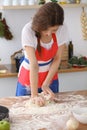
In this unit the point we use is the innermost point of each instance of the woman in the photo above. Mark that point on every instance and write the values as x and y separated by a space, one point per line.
43 41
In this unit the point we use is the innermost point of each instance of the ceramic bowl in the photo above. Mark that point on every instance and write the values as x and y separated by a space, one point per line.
80 113
4 113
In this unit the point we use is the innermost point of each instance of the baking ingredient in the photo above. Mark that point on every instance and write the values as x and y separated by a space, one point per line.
51 108
4 125
46 97
84 24
72 124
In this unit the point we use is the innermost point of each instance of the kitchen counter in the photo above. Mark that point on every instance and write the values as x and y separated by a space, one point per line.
10 70
55 121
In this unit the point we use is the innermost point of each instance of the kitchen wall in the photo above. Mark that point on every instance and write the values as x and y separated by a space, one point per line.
16 19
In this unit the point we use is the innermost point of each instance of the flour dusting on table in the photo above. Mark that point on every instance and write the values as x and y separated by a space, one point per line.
53 116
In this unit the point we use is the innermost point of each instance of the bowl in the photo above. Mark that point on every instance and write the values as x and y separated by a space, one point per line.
4 113
80 113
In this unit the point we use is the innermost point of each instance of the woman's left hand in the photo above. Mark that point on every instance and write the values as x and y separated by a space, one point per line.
47 90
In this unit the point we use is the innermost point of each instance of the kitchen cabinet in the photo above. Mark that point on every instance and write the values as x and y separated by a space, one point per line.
37 6
8 86
73 81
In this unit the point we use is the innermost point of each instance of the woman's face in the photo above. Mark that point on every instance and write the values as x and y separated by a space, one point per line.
49 31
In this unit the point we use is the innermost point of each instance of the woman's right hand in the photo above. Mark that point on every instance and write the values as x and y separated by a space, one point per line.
38 100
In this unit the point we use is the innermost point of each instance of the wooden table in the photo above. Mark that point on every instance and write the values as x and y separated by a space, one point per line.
62 97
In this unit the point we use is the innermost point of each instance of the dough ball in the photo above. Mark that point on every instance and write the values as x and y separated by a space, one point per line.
30 103
72 124
47 99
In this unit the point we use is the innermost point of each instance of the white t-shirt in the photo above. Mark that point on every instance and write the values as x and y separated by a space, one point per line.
29 38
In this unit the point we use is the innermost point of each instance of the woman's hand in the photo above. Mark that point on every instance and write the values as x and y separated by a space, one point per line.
47 90
38 100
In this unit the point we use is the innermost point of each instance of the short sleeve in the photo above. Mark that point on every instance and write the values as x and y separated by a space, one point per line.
28 36
62 35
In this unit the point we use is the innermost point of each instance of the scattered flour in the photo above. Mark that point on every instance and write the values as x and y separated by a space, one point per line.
52 116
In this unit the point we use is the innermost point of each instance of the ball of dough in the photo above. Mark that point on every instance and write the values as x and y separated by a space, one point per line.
72 124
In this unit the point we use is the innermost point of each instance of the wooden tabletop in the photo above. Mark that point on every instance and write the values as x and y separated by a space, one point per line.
63 97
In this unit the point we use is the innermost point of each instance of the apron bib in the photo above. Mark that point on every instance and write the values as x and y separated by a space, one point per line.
44 62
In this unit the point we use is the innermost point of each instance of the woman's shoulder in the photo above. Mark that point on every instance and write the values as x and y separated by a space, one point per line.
28 28
28 36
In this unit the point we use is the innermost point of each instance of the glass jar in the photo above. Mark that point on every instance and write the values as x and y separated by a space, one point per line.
62 1
77 1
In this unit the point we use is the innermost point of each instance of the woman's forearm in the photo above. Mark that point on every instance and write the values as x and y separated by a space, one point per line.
34 80
54 66
33 70
52 71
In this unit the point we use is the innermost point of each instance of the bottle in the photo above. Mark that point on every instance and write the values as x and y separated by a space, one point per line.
0 16
70 50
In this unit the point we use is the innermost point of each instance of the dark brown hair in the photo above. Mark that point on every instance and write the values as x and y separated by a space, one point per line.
50 14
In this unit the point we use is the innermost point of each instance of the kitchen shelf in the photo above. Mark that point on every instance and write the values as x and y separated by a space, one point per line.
37 6
11 70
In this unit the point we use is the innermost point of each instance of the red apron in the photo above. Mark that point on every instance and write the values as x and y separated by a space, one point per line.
44 62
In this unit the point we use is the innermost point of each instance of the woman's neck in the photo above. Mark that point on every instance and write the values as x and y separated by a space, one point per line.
46 39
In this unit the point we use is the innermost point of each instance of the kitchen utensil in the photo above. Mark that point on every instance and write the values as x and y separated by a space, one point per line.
80 113
4 113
